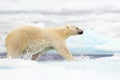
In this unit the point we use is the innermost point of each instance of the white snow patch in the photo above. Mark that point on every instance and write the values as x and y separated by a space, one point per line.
18 69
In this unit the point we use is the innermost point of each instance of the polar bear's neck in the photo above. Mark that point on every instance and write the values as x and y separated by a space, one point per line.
63 32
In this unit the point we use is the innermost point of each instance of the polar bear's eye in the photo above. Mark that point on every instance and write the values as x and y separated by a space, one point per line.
77 28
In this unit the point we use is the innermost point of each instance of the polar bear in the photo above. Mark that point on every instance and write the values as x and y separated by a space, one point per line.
31 42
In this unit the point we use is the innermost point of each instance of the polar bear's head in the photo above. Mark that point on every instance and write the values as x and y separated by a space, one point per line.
74 30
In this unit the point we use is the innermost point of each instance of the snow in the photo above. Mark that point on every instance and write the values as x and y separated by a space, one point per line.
86 69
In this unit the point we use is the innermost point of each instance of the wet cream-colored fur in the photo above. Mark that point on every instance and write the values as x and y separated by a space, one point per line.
31 42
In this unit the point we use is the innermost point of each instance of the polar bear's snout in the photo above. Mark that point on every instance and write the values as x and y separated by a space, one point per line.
80 32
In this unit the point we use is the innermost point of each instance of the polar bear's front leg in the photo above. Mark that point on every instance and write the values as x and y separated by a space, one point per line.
63 51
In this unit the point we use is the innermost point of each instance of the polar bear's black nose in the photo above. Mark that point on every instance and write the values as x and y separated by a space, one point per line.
81 32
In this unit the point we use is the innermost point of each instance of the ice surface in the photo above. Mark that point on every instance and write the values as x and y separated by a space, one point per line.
86 69
112 45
